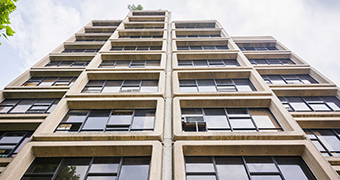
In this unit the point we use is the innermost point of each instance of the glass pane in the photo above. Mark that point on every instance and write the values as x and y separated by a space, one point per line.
112 86
230 62
95 83
233 113
275 79
10 139
23 106
206 85
73 168
216 122
199 164
48 81
298 104
329 139
135 168
144 119
121 117
263 122
191 111
231 168
260 164
201 177
44 165
188 89
9 102
243 85
97 120
293 168
200 63
5 109
319 107
242 123
105 165
266 177
75 116
333 102
101 178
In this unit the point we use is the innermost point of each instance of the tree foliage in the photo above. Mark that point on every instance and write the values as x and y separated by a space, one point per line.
6 8
133 7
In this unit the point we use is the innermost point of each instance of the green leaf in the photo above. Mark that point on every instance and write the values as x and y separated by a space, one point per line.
9 31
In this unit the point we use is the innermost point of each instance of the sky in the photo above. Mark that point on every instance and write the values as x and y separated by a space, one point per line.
309 28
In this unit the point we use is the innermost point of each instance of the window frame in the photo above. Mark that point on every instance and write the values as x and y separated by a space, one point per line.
207 62
285 102
203 48
314 137
285 80
253 61
85 63
132 117
20 144
216 85
58 80
231 128
149 48
54 101
121 85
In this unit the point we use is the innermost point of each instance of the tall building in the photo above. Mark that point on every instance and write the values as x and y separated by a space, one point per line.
150 98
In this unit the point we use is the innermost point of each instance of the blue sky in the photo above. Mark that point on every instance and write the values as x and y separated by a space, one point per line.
310 28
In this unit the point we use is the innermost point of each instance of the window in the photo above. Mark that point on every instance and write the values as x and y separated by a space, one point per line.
50 81
263 48
108 120
135 48
327 141
199 36
89 31
97 86
195 48
213 85
129 63
80 51
209 62
271 61
148 20
27 106
195 27
289 79
144 27
310 103
11 142
90 168
90 40
141 37
246 167
67 64
228 119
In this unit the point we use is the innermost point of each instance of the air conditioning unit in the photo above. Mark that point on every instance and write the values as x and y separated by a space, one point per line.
191 123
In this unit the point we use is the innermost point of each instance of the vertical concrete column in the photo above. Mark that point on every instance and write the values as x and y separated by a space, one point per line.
167 137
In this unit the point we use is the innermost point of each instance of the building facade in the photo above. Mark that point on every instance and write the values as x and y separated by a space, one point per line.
150 98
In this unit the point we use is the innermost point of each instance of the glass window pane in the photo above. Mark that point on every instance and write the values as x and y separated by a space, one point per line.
230 62
319 107
216 122
101 178
298 104
260 164
105 165
200 63
242 123
121 117
266 177
333 102
243 85
10 140
149 86
201 177
188 89
135 168
329 139
75 116
293 168
97 120
237 113
206 85
144 119
275 79
23 106
48 81
73 168
95 83
231 168
44 165
199 164
5 109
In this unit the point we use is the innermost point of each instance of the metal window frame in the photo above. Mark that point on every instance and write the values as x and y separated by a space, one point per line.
230 128
54 83
87 173
208 63
246 168
329 152
31 106
27 134
121 85
129 128
297 77
253 61
216 86
85 63
309 104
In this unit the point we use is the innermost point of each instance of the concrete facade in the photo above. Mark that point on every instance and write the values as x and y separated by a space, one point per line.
148 46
